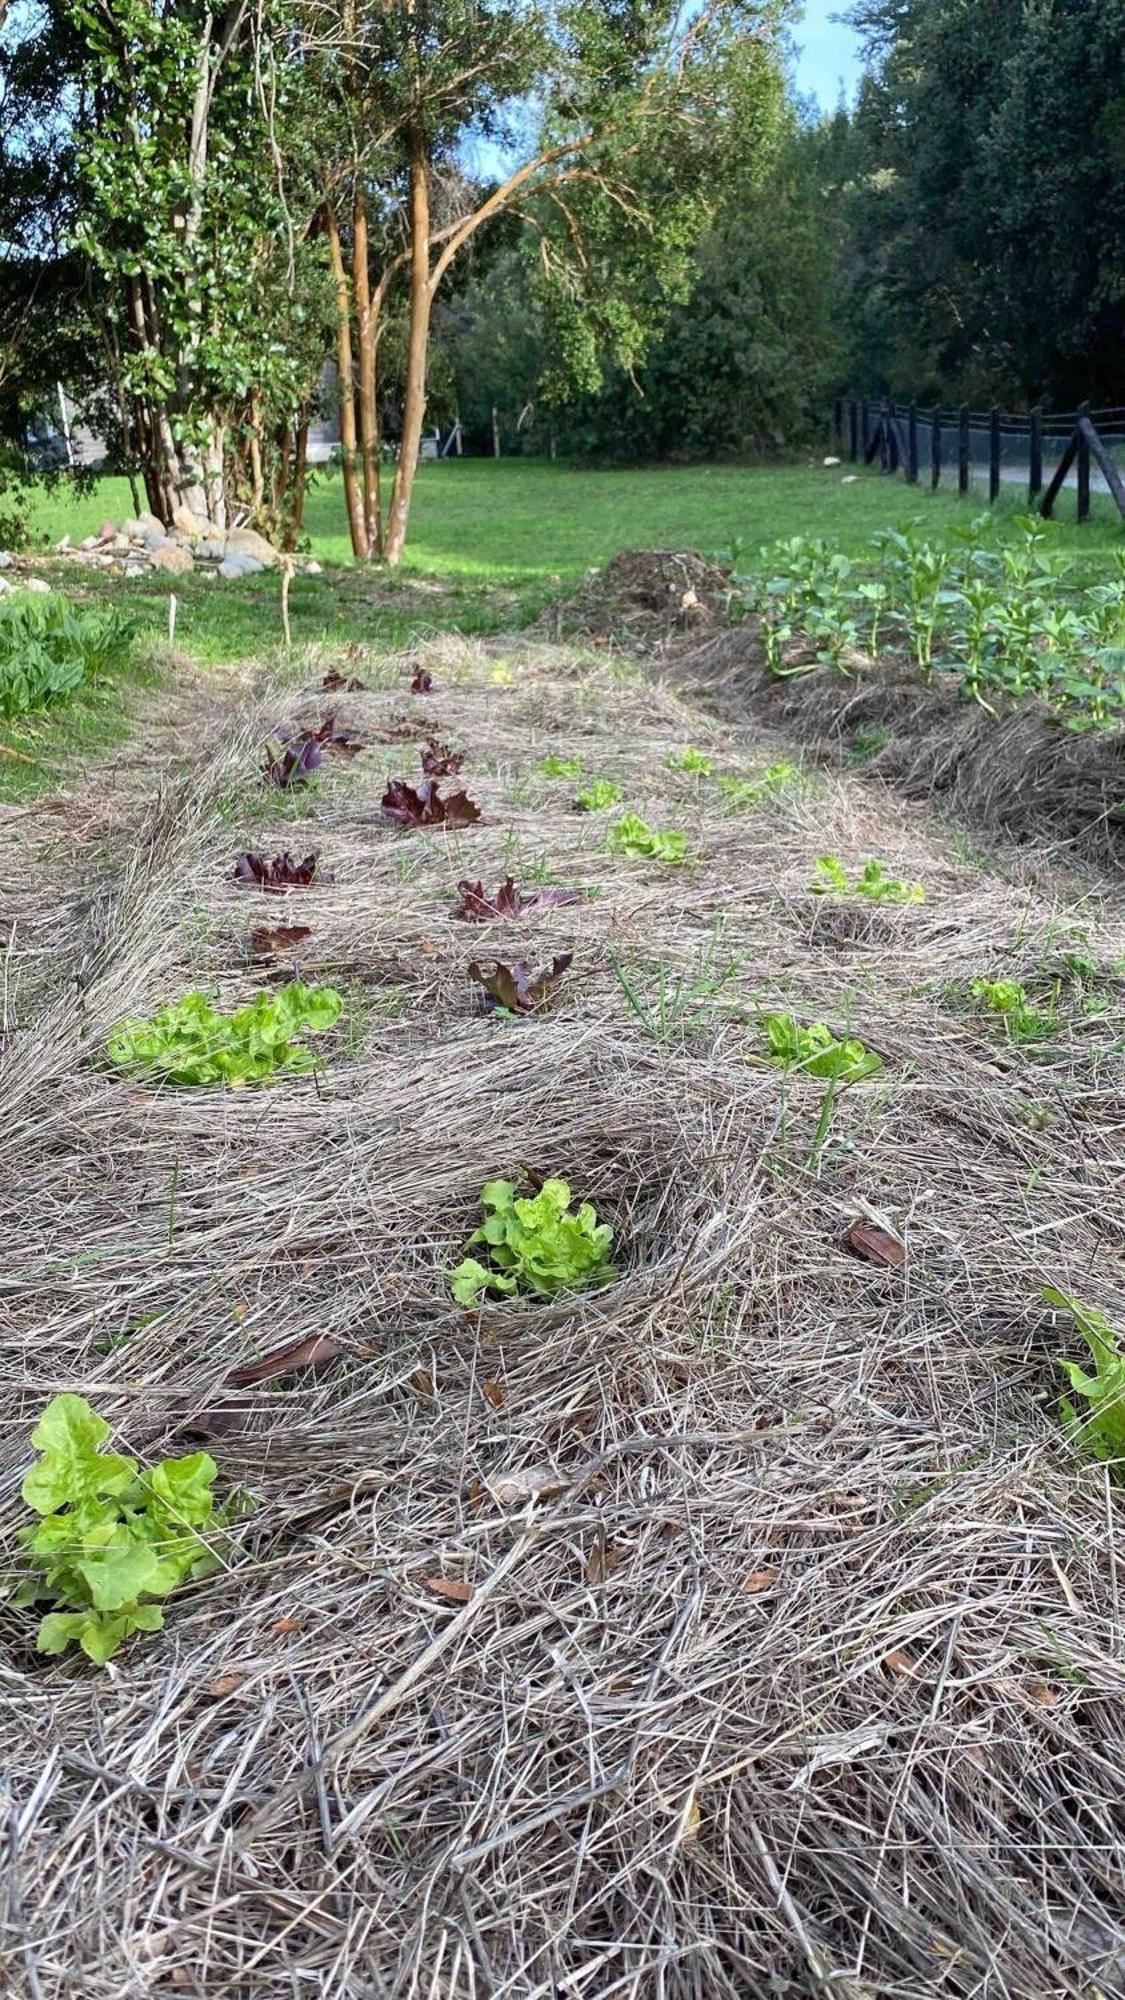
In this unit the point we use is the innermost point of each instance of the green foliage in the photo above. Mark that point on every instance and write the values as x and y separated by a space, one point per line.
742 794
554 766
873 883
533 1244
817 1051
189 1043
599 795
1024 1020
1099 1429
692 762
49 648
111 1540
633 836
670 1004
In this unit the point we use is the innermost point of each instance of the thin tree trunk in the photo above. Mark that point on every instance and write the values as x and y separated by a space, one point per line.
356 522
414 393
367 342
257 468
300 476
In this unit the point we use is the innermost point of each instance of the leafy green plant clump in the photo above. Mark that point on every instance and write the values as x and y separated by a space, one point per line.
740 794
533 1244
598 796
1024 1020
554 766
633 836
874 882
817 1051
692 762
1099 1429
189 1043
49 649
111 1541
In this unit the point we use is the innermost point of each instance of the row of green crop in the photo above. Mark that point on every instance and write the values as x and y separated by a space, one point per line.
50 648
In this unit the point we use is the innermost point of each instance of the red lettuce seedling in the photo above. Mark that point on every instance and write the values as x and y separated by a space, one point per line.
439 761
478 907
253 871
421 681
266 942
519 990
425 806
337 683
294 763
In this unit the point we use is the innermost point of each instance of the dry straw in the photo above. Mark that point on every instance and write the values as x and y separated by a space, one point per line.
747 1627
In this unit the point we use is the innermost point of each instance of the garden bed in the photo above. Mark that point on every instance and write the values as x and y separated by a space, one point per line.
743 1624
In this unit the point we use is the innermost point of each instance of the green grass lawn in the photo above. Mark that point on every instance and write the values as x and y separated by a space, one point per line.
530 522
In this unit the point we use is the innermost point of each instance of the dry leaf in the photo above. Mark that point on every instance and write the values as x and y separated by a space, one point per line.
450 1587
494 1394
422 1384
530 1482
899 1662
288 1624
267 940
602 1560
224 1684
876 1246
1044 1696
760 1579
315 1352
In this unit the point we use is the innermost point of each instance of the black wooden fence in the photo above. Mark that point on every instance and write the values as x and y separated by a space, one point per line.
899 436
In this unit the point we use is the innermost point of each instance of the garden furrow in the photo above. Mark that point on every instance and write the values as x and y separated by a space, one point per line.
749 1623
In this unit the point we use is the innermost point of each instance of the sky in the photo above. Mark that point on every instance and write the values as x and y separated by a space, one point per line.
828 53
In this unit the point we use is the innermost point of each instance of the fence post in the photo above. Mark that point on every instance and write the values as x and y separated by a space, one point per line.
884 439
892 437
993 454
1083 466
935 451
912 445
865 427
963 454
853 430
1035 456
838 421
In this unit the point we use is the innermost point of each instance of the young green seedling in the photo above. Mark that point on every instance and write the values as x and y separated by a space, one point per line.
534 1244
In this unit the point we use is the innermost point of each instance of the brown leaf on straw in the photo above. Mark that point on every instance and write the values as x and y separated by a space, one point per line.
315 1351
759 1579
900 1662
337 683
532 1482
449 1587
266 942
876 1246
493 1393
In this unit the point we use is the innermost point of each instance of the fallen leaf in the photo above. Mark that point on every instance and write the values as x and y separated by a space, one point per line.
423 1384
899 1662
759 1579
494 1394
876 1245
224 1684
450 1587
288 1624
1042 1695
529 1482
267 941
315 1351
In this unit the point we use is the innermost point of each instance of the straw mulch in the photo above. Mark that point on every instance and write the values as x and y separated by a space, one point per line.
747 1627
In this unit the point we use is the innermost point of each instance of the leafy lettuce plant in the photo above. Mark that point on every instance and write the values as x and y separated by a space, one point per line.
516 989
597 796
874 883
111 1541
189 1043
478 907
633 836
439 761
254 871
692 762
817 1051
740 794
1023 1020
554 766
408 805
535 1244
1099 1429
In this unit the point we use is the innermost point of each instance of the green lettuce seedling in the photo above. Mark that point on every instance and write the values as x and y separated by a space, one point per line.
740 794
633 836
689 760
1101 1428
874 883
596 797
554 766
111 1541
817 1051
533 1245
1023 1020
189 1043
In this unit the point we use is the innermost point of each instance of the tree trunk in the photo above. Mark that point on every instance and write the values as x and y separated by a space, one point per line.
356 522
300 473
367 340
414 393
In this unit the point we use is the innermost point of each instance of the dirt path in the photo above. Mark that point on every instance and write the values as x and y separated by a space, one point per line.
804 1667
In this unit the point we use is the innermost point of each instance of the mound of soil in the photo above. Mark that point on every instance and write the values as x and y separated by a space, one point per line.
648 600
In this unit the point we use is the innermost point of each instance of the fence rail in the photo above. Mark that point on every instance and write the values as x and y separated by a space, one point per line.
898 434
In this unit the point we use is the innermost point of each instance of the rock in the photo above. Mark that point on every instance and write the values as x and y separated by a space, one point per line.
313 569
211 549
172 558
5 559
248 542
239 563
831 461
134 569
108 531
62 547
189 524
91 542
850 479
133 531
119 544
37 584
155 539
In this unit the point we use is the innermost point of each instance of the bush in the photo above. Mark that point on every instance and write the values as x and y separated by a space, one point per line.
49 648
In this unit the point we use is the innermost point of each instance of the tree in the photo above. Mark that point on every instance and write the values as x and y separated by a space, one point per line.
634 96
